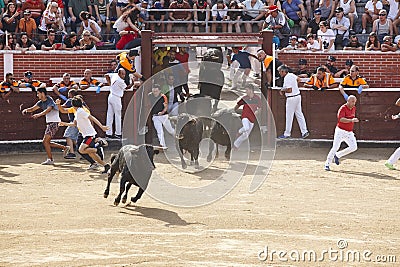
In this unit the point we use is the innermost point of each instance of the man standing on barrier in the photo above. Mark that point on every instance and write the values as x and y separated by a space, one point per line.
126 60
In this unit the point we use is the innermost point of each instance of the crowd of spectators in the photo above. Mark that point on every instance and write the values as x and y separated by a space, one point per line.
93 24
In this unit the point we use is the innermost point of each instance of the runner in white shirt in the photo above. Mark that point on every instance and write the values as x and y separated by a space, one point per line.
293 102
117 88
83 120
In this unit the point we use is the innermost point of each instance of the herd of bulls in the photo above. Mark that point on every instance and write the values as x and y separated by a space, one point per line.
135 163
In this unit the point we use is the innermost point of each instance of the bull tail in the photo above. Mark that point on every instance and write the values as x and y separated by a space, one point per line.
113 156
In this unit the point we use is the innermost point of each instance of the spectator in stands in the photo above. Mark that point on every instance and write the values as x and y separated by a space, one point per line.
49 20
159 55
397 41
29 82
89 25
302 44
253 11
330 65
180 15
353 44
295 11
219 13
382 26
327 8
292 43
394 17
372 8
62 88
326 37
88 41
303 72
102 10
313 25
88 81
388 45
346 70
10 18
24 43
71 42
349 11
340 26
50 42
131 34
27 24
160 16
75 7
123 5
372 43
8 42
313 44
36 7
276 21
234 16
144 12
322 80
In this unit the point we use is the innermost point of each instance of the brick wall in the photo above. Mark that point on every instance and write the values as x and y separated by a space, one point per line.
381 70
54 64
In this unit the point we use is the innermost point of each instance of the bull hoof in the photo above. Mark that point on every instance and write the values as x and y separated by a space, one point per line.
105 194
184 165
197 167
191 163
116 202
209 158
134 199
123 200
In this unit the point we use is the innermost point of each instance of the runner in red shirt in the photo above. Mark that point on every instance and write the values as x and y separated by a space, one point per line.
343 132
251 103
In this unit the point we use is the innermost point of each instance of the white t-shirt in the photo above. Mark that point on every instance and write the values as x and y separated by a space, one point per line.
252 13
315 45
118 85
83 123
327 37
393 9
222 13
290 81
370 5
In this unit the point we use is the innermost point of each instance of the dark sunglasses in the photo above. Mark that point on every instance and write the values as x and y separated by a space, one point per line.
381 15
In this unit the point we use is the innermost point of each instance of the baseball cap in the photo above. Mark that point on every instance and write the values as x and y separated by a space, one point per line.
293 37
349 62
318 11
397 39
158 5
382 11
133 53
28 74
331 58
339 9
27 12
302 61
272 8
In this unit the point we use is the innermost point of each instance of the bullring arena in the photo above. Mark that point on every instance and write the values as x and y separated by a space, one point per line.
299 216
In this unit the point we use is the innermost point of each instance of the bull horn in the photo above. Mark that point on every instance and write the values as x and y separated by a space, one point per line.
160 147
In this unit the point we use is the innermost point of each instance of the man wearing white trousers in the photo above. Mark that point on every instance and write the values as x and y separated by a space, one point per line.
251 103
343 132
293 103
114 109
159 113
396 155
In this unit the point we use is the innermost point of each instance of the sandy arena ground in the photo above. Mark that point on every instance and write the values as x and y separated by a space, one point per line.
57 216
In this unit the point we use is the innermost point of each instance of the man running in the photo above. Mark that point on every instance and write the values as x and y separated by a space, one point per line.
343 132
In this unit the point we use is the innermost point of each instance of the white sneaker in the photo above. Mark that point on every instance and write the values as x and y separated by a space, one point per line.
48 162
364 31
93 166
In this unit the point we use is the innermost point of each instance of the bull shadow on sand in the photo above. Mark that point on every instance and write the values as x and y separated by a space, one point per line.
4 173
171 218
375 175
